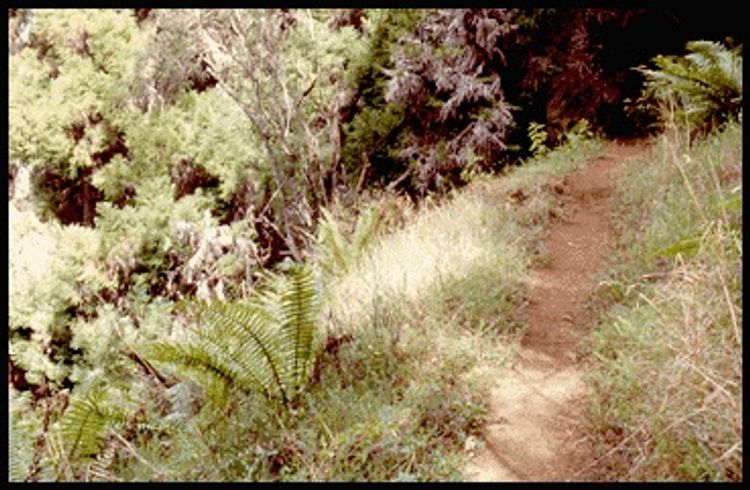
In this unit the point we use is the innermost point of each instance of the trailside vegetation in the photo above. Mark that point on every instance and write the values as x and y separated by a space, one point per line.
278 244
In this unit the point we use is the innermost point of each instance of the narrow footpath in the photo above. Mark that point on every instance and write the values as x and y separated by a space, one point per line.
536 416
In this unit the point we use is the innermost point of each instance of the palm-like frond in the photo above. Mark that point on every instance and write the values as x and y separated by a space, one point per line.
367 226
264 345
706 83
333 250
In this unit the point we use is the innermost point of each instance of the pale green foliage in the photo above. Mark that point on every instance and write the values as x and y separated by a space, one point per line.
704 87
213 132
538 137
21 436
337 250
204 129
64 270
264 345
137 232
86 70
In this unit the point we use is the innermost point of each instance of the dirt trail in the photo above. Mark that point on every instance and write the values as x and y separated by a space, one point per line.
534 430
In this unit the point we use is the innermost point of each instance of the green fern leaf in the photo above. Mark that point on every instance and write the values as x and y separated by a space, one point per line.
83 425
297 301
20 453
247 335
706 83
264 345
331 244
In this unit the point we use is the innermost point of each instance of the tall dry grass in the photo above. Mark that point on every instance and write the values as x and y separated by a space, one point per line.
668 377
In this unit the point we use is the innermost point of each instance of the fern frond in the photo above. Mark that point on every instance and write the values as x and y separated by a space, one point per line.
196 358
298 308
20 453
333 249
335 252
365 230
707 82
84 423
264 345
247 334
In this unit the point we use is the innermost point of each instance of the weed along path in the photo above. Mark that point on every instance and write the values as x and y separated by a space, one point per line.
537 406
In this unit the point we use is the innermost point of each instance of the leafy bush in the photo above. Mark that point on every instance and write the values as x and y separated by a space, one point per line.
446 78
702 88
538 137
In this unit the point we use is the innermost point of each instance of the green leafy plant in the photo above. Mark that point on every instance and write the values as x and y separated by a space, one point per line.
580 131
21 437
538 136
264 345
703 87
85 422
336 251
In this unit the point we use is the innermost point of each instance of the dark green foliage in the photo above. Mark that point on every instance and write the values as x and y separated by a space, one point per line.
573 63
557 76
263 345
372 126
702 88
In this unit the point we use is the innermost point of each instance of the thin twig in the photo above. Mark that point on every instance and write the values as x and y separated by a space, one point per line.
132 451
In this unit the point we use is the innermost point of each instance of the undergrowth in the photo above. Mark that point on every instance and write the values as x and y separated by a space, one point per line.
414 325
668 373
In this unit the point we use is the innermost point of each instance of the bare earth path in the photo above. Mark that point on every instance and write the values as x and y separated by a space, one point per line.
534 433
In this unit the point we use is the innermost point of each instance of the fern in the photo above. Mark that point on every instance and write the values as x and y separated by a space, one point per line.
335 252
365 230
264 345
705 84
84 424
21 435
20 452
297 301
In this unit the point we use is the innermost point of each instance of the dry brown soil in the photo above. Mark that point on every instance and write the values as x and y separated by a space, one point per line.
536 417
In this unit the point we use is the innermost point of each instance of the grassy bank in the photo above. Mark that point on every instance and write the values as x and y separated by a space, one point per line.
429 308
668 353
